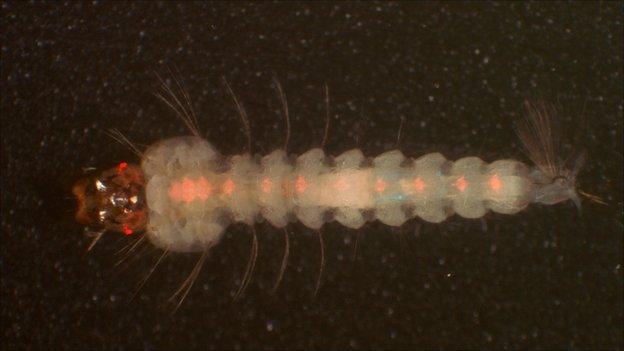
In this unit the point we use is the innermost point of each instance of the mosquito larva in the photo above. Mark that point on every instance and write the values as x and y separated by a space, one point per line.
184 193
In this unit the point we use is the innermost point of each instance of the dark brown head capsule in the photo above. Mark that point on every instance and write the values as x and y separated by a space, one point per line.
114 200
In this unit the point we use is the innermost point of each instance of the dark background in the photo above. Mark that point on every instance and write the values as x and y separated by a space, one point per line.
457 73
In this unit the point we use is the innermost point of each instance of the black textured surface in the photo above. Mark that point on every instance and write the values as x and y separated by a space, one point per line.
458 73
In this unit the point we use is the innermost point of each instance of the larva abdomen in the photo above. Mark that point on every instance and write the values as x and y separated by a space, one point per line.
193 193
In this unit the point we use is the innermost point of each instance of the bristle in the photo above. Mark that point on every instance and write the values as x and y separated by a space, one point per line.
177 98
540 141
123 140
593 198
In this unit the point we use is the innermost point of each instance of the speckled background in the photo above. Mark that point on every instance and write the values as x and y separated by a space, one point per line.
457 73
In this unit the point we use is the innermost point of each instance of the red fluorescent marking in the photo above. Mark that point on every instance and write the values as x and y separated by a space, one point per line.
419 185
229 186
203 188
461 184
495 183
300 184
122 167
175 191
266 185
127 230
341 184
188 190
380 185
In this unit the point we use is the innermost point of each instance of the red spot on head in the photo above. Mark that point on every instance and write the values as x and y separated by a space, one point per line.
266 185
300 184
229 186
461 184
419 185
121 167
127 230
495 183
380 185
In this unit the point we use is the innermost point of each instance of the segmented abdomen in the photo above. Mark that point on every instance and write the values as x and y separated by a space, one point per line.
193 193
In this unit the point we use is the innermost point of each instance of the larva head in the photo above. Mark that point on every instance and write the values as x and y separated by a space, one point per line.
113 200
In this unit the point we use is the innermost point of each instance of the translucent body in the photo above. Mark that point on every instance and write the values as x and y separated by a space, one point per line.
193 193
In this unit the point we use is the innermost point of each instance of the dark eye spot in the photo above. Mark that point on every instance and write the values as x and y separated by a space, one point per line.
89 189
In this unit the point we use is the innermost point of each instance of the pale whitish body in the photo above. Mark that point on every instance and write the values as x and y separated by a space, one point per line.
185 193
193 193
